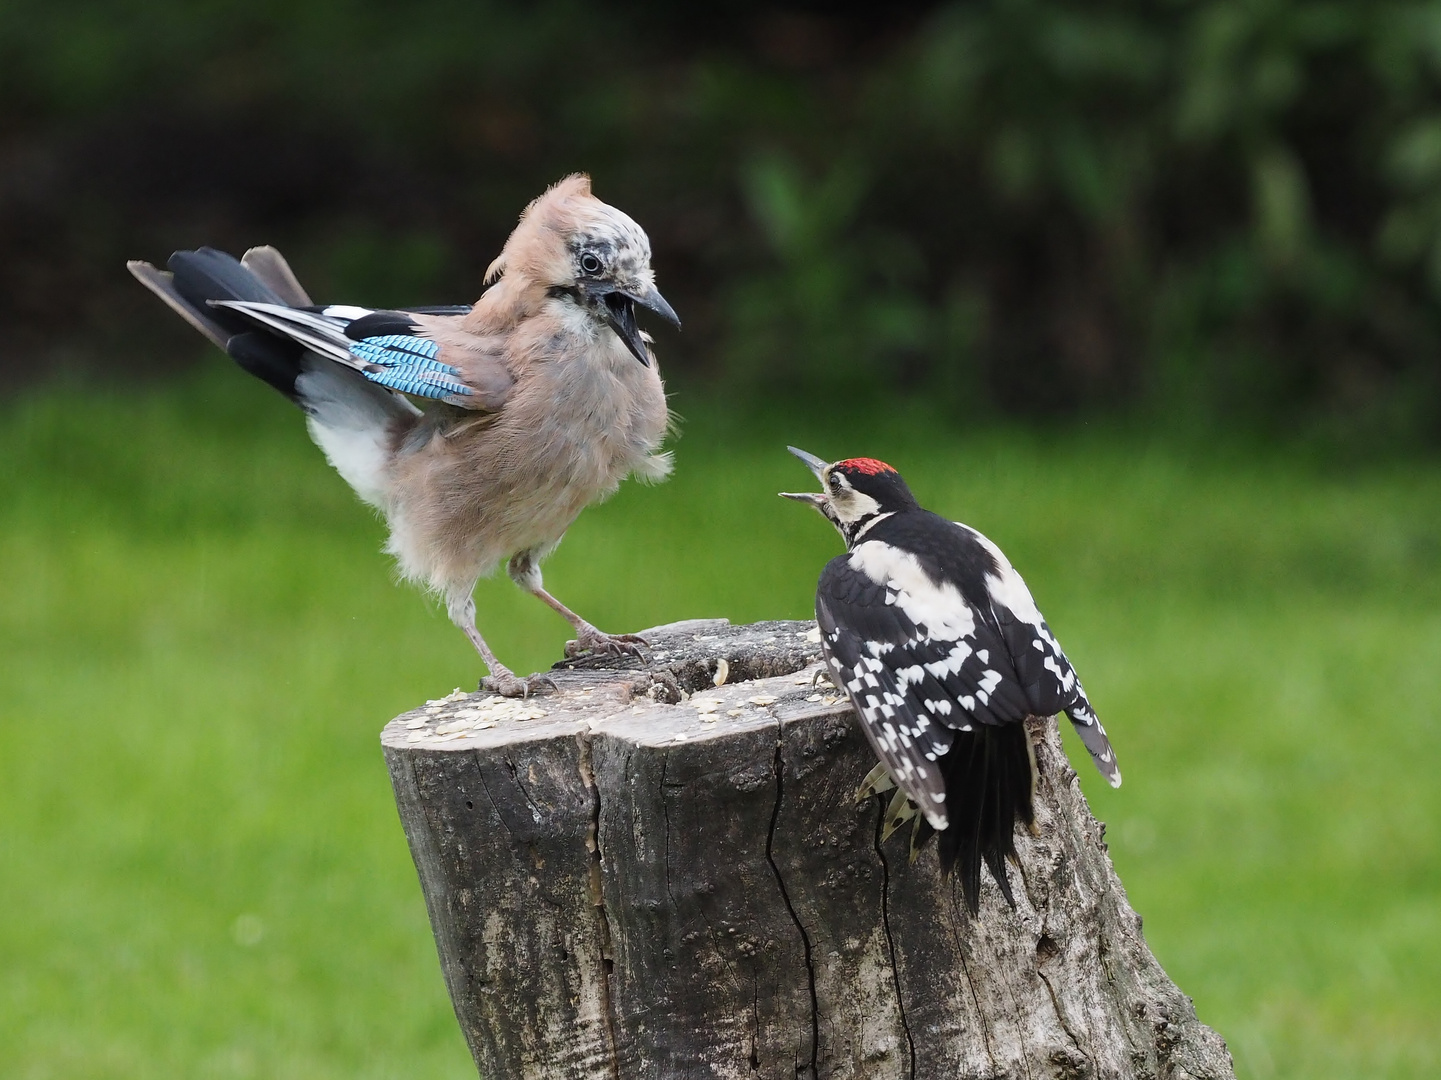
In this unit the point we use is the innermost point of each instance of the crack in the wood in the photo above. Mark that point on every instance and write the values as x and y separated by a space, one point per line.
665 815
1061 1019
1103 948
756 1019
795 917
890 941
710 930
515 775
587 775
480 775
975 997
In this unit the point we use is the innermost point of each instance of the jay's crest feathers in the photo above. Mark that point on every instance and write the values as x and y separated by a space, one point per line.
579 258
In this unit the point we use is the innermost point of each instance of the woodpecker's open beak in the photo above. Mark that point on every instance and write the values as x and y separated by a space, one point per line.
620 314
818 499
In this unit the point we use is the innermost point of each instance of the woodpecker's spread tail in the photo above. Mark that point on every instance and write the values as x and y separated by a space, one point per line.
990 779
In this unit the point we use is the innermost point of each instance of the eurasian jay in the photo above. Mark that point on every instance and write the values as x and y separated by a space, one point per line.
538 400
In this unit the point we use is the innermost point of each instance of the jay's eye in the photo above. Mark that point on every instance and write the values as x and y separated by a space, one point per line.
589 263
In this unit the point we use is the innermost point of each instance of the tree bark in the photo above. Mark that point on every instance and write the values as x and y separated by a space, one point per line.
644 875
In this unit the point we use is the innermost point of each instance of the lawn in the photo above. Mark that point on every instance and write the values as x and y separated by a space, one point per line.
201 868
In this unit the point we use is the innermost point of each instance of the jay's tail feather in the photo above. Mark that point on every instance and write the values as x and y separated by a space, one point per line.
351 419
198 277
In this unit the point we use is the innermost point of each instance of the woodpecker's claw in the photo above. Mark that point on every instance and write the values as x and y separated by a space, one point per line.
900 811
507 684
917 839
877 781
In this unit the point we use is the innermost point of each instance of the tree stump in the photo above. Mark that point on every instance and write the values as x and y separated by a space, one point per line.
644 875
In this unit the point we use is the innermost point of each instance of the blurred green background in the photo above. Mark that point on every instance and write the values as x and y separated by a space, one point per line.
1148 293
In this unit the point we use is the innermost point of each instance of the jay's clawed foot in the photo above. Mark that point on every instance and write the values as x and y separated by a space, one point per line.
590 640
508 684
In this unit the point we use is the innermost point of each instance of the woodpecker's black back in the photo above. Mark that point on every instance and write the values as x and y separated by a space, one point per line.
935 638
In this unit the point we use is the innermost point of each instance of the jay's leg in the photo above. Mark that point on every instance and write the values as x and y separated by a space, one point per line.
501 679
524 570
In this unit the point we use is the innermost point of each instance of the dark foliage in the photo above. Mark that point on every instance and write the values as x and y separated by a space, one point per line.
1203 212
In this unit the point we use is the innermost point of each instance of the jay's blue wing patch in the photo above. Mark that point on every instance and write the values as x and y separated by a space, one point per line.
383 346
409 364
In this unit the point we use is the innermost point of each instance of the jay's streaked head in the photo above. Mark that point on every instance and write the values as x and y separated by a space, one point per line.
589 257
856 492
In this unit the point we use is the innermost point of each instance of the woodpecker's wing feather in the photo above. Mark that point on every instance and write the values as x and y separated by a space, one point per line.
855 635
1093 737
1046 676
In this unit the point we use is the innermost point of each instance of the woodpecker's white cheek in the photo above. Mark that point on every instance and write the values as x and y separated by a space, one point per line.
854 505
939 608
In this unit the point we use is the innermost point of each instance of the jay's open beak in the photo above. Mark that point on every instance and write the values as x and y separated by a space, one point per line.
620 313
652 300
817 499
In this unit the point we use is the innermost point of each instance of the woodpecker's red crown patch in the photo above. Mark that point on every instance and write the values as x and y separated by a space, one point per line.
867 465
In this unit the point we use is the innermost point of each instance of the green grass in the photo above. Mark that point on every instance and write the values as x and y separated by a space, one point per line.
202 873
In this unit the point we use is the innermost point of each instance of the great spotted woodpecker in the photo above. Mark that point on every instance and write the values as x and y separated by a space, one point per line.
937 642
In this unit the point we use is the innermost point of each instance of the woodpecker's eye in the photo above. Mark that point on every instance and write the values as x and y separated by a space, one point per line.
590 264
835 483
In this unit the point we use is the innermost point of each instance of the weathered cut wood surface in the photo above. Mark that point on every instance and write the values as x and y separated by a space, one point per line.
624 884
